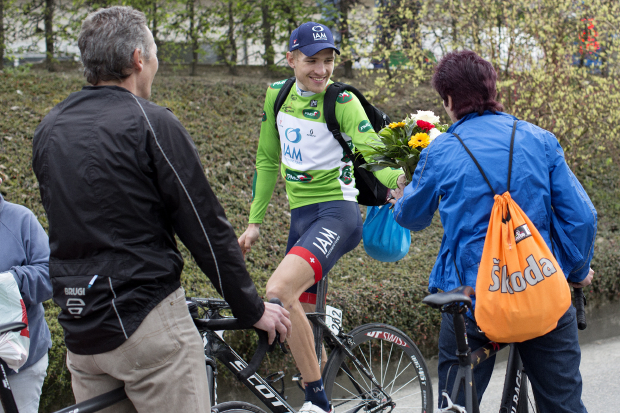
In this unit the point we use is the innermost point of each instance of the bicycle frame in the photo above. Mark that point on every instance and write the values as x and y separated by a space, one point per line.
468 360
218 348
88 406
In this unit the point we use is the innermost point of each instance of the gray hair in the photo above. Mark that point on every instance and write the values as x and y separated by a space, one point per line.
107 41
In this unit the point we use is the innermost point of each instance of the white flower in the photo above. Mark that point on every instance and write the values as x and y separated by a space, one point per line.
434 133
427 116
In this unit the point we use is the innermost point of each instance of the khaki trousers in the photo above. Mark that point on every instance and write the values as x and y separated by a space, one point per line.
161 365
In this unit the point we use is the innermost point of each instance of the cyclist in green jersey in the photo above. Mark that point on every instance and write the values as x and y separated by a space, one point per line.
325 217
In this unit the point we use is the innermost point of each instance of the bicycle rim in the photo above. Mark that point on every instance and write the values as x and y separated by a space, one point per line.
236 407
394 362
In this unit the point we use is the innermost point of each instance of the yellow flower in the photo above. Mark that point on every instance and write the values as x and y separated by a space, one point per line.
395 125
419 140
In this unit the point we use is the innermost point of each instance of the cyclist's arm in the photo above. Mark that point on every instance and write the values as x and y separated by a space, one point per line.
354 122
573 209
198 218
267 162
420 198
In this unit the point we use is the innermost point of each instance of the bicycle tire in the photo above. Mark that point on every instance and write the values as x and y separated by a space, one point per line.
236 407
394 361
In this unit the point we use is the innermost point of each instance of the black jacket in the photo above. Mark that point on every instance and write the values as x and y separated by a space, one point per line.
119 176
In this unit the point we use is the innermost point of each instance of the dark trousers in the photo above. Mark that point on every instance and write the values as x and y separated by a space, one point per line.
551 361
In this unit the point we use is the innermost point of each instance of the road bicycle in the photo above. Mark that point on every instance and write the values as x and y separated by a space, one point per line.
515 395
373 368
110 398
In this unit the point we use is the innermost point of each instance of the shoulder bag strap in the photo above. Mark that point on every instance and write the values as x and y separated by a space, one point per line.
329 109
512 142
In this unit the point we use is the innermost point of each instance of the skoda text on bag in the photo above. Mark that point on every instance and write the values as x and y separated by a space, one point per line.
532 275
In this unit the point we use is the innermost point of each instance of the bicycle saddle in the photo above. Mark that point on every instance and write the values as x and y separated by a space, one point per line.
458 295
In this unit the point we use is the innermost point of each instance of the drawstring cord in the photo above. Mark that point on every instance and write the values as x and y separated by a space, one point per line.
505 208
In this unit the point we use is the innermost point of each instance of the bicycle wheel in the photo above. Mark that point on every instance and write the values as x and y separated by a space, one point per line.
527 402
236 407
394 362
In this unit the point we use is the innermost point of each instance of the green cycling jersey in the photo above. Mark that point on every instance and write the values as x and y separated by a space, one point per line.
311 161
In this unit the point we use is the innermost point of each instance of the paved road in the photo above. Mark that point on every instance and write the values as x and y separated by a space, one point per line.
600 370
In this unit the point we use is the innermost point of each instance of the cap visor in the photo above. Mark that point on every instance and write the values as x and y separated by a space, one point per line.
313 49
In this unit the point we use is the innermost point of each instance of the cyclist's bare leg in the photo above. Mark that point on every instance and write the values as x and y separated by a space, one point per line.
311 308
292 277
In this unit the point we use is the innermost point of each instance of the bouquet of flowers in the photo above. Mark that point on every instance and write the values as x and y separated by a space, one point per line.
399 144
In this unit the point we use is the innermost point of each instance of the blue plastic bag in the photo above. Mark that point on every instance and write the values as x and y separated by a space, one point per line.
384 239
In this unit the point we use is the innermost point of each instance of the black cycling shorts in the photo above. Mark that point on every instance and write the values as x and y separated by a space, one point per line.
321 234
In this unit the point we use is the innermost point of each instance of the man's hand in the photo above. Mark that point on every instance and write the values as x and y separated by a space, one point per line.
275 318
585 282
398 192
248 238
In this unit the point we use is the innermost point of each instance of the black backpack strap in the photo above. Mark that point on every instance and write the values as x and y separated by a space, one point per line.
475 161
512 143
281 98
329 109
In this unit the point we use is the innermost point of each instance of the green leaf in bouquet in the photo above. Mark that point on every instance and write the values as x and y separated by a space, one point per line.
383 159
409 128
386 133
377 166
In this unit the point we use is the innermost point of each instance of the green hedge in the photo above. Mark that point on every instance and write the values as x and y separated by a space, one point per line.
224 120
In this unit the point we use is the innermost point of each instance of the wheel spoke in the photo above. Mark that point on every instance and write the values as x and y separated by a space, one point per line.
395 387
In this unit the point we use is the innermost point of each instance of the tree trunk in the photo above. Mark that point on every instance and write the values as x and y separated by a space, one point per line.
232 62
193 37
344 38
154 25
270 54
48 18
1 34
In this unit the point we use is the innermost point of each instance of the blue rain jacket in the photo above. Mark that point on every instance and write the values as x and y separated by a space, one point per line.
541 183
25 252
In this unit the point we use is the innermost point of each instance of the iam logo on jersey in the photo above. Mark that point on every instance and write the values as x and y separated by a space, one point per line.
293 135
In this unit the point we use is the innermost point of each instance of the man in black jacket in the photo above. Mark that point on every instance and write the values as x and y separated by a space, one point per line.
119 176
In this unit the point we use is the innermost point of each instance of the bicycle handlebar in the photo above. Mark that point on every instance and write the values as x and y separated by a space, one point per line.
234 324
580 303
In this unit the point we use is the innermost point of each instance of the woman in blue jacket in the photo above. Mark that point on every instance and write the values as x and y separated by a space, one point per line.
24 252
542 184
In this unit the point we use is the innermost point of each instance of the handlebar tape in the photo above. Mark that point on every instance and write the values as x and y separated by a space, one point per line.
262 349
580 303
259 354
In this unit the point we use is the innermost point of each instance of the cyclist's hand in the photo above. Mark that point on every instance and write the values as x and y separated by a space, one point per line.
275 318
585 282
248 238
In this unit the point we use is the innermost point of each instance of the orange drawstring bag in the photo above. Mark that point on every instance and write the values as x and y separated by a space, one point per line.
521 291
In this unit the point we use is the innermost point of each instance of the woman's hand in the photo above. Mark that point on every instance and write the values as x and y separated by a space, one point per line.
398 192
585 282
248 238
